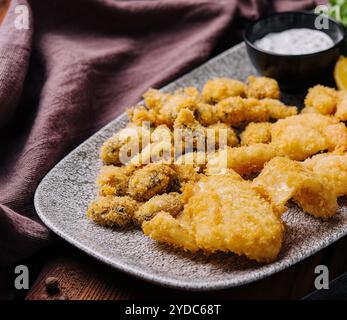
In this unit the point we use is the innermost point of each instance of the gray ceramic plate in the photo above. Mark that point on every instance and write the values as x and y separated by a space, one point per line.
62 198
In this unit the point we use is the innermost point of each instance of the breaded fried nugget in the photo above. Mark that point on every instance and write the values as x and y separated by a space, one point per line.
235 111
217 89
221 132
205 113
244 160
151 180
113 180
256 133
124 144
262 87
140 114
221 214
167 105
168 202
283 179
112 211
331 170
304 135
341 107
277 109
321 99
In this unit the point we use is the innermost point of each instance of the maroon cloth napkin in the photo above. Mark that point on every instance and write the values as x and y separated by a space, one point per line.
77 67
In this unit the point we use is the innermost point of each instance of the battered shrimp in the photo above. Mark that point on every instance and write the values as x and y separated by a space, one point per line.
216 90
262 87
151 180
256 133
112 211
170 202
244 160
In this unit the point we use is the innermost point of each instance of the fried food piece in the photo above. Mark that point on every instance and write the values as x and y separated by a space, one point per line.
304 135
112 211
151 180
221 214
236 111
256 133
277 109
331 170
321 99
205 113
244 160
170 202
221 131
262 87
283 179
168 105
217 89
140 115
114 180
341 107
124 145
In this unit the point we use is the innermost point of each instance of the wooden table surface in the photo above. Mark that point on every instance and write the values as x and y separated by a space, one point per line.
82 277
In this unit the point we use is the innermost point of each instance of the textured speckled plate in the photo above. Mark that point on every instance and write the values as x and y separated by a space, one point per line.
62 198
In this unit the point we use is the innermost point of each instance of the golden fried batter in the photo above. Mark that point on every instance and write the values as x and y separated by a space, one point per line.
112 211
244 160
221 214
341 107
125 144
321 99
168 202
205 113
218 130
331 169
151 180
262 87
277 109
256 133
218 89
113 180
304 135
283 179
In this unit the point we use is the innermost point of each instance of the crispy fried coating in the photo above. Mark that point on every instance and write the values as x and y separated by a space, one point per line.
168 105
341 107
262 88
217 89
221 132
124 145
245 160
256 133
283 179
236 111
140 115
331 170
168 202
114 180
304 135
151 180
112 211
205 113
321 99
221 214
277 109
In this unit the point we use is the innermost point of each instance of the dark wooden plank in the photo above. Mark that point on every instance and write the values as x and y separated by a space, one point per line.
82 277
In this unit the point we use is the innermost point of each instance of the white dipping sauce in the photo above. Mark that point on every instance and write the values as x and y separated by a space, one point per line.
295 42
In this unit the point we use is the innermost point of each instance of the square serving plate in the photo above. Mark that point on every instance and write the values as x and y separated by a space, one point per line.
62 198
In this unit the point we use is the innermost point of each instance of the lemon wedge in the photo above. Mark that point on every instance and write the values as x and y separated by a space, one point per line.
340 73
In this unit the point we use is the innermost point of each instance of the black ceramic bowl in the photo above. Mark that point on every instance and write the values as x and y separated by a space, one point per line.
294 72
